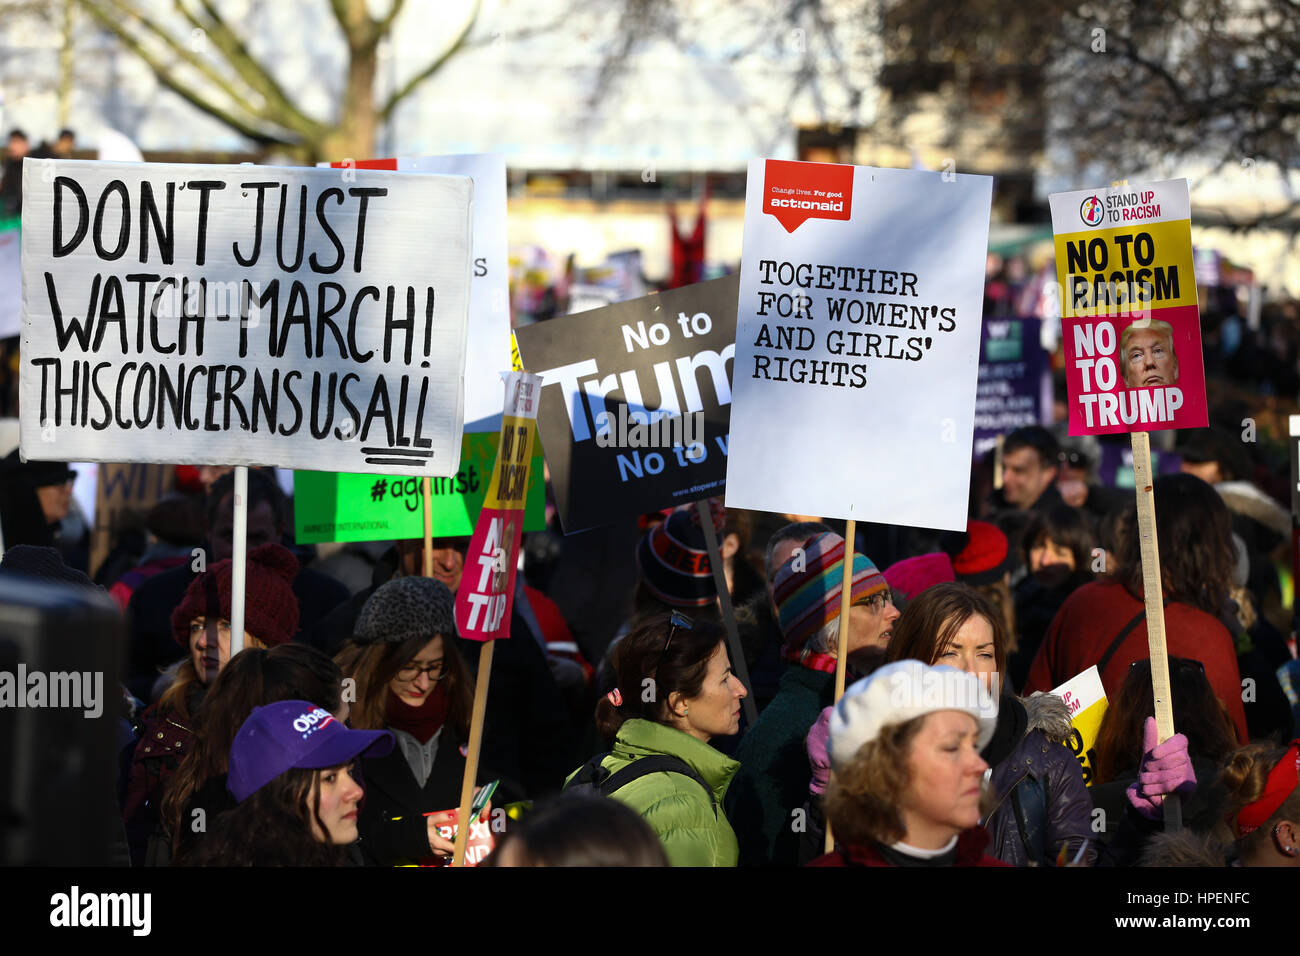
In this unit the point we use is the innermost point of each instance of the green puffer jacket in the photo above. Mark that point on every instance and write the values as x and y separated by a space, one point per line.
675 806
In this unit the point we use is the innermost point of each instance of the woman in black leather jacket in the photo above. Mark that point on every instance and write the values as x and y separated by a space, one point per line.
1039 806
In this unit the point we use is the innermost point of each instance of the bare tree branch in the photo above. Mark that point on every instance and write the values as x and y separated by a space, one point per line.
406 89
168 79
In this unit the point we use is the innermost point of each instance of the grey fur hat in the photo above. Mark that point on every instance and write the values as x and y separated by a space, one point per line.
405 608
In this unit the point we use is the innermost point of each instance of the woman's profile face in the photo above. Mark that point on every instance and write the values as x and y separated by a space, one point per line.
972 650
715 711
945 771
336 806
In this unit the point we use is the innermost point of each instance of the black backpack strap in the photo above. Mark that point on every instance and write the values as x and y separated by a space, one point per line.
1125 631
660 762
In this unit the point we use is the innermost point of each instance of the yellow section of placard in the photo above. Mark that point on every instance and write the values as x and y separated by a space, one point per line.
1083 739
516 360
509 487
1126 270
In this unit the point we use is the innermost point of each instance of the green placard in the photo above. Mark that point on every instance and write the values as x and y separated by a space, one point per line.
337 506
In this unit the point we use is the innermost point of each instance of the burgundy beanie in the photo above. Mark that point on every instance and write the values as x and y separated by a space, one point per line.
913 575
270 606
674 559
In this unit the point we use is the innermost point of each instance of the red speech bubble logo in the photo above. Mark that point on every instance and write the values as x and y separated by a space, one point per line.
796 192
366 164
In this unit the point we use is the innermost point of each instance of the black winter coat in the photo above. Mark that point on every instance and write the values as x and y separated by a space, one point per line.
391 822
1040 801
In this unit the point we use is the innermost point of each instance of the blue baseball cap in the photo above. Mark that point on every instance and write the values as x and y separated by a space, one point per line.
295 734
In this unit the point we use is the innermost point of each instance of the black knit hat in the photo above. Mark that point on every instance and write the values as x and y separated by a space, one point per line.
674 560
39 562
405 608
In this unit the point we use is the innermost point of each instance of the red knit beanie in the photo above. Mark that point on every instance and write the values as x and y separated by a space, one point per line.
270 607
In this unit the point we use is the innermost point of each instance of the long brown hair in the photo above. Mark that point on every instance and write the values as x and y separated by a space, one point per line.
1194 531
932 619
1197 713
254 677
175 700
373 665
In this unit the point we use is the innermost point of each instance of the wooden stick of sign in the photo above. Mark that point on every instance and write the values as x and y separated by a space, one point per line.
841 658
728 613
427 489
1153 591
239 559
463 823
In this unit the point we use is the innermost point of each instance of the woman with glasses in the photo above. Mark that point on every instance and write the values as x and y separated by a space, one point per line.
675 692
409 679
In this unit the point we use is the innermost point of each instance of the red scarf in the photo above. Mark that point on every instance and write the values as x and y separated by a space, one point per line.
420 722
815 662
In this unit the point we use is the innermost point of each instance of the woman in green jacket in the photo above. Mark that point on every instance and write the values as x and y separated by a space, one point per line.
675 692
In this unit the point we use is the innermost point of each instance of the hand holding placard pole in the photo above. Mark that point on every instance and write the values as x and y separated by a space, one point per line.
1153 591
239 564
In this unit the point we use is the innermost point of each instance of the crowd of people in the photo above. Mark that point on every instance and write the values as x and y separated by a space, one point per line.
615 729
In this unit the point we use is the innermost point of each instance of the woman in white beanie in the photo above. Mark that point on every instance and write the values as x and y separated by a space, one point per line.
904 747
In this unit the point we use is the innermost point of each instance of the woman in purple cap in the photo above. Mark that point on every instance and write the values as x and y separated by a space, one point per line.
291 771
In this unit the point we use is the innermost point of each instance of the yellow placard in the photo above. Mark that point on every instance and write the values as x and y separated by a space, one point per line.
1126 269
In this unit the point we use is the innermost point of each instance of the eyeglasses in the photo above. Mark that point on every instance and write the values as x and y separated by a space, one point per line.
676 620
433 670
877 601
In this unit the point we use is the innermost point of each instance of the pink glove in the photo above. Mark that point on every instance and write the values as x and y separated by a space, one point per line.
1166 768
817 757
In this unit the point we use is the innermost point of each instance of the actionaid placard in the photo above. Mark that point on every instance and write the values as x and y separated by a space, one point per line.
857 342
306 318
636 401
487 347
487 591
1129 317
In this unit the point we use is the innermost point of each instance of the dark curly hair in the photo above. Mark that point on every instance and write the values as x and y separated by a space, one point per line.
272 827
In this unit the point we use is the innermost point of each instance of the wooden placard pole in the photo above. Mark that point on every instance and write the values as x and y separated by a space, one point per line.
728 613
1153 592
426 487
463 823
846 601
239 559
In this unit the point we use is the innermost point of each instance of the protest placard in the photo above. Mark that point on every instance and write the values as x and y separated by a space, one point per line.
328 506
636 401
244 315
487 347
487 591
857 342
1015 386
1085 697
1129 315
124 489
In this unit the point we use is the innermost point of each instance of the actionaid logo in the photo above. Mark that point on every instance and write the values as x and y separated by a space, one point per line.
796 192
308 721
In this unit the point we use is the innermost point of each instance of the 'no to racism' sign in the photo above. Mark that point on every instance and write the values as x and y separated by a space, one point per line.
244 315
636 401
1129 316
857 342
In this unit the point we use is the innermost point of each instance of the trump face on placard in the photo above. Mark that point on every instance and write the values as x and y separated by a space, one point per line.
1147 356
